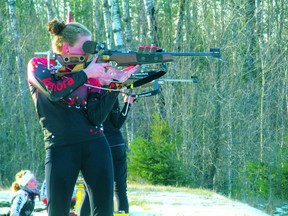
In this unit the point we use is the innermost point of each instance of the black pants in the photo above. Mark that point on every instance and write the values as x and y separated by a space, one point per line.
62 167
120 178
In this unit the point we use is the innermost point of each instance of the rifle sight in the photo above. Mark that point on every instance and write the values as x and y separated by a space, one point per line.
93 47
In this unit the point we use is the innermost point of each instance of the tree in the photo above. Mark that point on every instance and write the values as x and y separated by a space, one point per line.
156 159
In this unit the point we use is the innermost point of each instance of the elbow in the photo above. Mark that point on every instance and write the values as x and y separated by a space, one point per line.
54 99
55 96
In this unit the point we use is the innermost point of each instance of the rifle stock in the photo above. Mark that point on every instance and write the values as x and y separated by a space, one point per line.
71 59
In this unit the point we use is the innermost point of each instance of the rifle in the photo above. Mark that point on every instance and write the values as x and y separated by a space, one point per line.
144 55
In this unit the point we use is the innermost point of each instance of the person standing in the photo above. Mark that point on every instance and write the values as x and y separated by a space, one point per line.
72 142
24 190
112 126
112 130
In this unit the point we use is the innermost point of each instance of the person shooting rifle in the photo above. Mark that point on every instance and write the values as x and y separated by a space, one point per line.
144 55
64 106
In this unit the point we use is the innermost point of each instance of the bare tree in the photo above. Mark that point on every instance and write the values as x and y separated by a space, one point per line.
180 25
96 17
116 25
251 39
127 23
152 24
50 14
15 39
107 23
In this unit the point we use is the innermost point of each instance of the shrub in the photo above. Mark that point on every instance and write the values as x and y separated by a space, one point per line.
155 159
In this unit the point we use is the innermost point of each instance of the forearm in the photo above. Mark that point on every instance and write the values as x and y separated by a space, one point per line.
55 89
123 115
99 106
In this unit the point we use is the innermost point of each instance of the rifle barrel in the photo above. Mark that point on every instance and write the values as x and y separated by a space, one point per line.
191 53
176 80
214 52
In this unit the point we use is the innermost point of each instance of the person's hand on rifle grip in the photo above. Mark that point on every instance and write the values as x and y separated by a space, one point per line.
122 75
106 73
96 70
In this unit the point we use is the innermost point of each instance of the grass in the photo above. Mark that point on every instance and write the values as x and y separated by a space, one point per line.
160 188
142 195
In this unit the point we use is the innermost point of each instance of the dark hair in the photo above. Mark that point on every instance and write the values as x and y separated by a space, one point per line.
55 27
68 33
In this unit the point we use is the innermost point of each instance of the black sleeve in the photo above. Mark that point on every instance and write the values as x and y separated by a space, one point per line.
99 105
55 89
118 118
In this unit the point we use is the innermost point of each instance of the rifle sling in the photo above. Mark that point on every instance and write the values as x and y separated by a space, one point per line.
145 80
146 94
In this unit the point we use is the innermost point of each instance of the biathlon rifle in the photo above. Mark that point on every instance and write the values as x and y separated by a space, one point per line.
144 55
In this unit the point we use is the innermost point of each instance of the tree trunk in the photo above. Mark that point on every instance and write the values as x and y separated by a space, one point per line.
127 23
96 18
50 15
23 86
251 40
152 24
116 25
107 23
180 26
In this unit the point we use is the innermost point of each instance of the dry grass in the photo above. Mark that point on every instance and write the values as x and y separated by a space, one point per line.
152 200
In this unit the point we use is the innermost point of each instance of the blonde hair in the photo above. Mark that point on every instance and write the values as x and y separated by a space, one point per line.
68 33
15 185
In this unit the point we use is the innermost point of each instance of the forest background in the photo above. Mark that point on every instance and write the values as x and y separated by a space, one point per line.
227 132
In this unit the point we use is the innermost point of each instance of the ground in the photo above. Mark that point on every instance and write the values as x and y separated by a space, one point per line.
168 201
